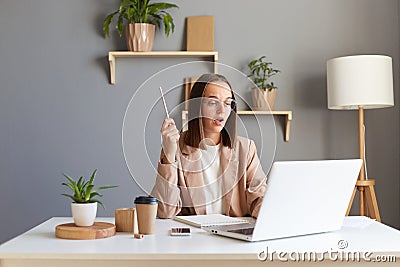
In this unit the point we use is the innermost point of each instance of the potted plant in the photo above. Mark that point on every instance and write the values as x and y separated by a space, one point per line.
84 206
142 16
265 93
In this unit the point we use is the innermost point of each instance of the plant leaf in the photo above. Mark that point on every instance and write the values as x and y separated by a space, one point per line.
70 186
141 11
107 22
168 24
119 25
69 196
84 191
80 182
69 178
87 192
260 71
105 187
157 7
93 194
92 177
124 4
98 201
156 20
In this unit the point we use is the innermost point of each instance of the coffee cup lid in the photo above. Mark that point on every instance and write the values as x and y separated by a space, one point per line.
145 200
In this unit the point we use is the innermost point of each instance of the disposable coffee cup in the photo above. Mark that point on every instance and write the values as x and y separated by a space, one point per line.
146 208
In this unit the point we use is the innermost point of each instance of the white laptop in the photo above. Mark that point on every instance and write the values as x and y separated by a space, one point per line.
302 197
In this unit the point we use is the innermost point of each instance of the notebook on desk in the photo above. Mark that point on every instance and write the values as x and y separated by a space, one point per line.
302 197
209 220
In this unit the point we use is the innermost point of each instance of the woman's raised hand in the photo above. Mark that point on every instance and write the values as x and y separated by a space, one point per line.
170 137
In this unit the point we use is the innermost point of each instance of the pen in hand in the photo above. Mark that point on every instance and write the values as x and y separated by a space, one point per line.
170 147
165 104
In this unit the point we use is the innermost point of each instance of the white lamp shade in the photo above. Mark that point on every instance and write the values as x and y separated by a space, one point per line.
360 81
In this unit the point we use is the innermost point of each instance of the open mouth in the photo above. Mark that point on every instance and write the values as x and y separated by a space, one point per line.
218 121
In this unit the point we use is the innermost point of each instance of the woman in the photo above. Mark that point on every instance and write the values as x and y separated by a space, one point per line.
208 169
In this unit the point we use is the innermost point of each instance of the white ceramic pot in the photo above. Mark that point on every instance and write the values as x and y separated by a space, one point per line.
84 214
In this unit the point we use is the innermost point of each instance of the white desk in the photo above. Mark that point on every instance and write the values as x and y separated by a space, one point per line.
39 247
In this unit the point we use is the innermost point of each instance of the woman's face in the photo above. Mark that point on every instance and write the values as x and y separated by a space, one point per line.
216 107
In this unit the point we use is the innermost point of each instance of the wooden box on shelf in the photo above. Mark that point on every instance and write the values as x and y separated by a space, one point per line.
200 33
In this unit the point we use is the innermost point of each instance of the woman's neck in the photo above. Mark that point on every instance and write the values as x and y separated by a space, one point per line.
212 139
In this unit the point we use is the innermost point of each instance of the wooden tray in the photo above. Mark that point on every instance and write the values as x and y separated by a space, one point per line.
96 231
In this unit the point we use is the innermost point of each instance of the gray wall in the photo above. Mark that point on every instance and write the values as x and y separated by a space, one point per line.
58 112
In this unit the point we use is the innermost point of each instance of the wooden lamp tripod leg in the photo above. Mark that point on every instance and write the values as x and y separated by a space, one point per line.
372 204
368 202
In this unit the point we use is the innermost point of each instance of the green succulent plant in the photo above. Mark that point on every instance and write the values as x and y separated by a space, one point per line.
141 11
84 191
261 71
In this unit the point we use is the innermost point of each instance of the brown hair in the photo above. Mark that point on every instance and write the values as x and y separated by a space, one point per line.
193 134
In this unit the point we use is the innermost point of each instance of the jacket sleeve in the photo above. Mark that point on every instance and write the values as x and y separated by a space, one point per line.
256 181
166 189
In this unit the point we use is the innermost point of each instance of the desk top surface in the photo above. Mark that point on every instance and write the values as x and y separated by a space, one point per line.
40 242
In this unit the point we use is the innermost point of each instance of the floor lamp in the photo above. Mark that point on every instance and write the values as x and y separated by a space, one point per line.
361 82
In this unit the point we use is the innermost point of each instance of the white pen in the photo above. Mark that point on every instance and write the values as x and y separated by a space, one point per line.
165 104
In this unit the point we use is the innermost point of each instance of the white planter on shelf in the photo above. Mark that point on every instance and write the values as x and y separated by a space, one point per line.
84 214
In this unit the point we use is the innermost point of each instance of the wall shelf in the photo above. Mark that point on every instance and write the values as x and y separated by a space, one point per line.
112 55
286 113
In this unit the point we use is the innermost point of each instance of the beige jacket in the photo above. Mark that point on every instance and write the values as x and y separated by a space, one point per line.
179 186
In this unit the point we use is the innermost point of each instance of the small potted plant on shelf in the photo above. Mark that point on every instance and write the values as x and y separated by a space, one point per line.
84 206
264 94
142 16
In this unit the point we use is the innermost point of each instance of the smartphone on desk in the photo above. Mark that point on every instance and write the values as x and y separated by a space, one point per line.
180 231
